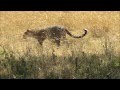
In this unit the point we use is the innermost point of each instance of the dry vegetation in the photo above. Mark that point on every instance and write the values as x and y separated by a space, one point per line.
97 55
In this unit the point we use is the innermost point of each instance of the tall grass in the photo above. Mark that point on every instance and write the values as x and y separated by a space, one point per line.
80 66
96 56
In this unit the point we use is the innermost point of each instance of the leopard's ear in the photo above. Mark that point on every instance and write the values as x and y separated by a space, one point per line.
28 30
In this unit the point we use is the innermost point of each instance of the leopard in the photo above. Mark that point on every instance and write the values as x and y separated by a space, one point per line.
54 33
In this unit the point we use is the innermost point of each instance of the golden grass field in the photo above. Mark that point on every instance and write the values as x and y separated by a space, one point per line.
13 24
103 33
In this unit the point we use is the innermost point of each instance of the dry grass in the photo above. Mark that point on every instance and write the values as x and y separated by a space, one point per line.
96 55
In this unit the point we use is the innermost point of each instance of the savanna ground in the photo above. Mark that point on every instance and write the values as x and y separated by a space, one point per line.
96 56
